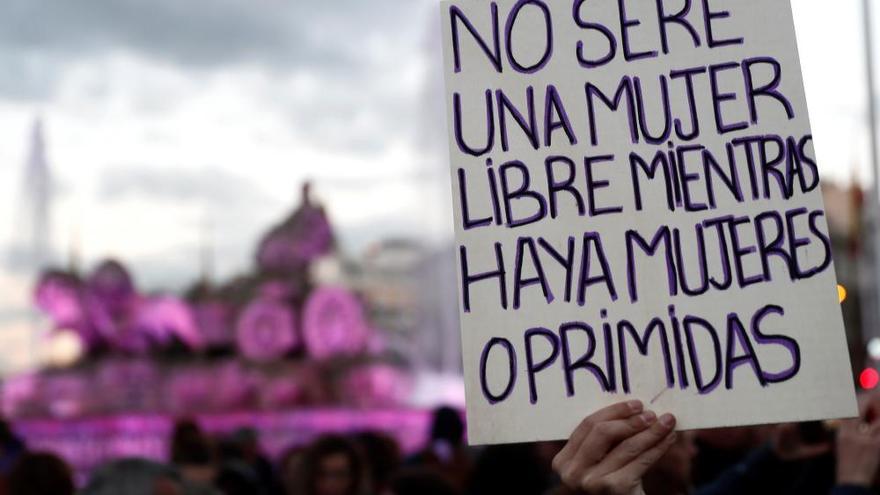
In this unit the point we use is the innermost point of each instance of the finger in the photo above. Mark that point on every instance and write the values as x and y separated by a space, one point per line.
620 410
612 412
636 469
605 436
635 446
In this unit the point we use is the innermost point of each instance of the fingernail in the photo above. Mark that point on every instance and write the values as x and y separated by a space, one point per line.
634 405
648 417
667 420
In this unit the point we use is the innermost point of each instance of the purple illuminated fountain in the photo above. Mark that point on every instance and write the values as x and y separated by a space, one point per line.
266 341
266 349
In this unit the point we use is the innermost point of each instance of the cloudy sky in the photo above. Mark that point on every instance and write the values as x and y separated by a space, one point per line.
171 124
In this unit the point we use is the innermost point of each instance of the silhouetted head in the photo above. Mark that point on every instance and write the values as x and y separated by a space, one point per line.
189 445
447 426
382 456
40 473
331 466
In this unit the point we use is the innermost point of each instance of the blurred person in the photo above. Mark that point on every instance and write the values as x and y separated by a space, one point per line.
234 471
382 457
626 450
235 477
419 481
857 449
11 447
720 448
330 466
192 453
289 467
511 468
138 477
247 443
446 452
40 473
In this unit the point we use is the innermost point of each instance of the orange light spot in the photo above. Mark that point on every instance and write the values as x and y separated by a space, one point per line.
841 293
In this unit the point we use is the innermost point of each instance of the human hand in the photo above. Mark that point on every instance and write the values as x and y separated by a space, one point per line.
610 451
858 452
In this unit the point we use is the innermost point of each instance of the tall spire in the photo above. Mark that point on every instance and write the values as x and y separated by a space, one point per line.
73 252
206 250
37 198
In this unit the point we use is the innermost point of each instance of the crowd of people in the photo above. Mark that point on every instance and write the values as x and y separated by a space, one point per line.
624 449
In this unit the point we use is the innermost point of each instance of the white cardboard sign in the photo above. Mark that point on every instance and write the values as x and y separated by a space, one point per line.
637 215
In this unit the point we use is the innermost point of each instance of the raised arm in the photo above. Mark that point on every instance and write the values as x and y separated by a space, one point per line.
611 449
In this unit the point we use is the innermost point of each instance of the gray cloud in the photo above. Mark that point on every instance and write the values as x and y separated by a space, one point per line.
173 270
355 49
200 33
356 238
28 76
237 213
209 186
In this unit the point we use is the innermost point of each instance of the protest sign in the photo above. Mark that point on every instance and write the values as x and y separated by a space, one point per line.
638 216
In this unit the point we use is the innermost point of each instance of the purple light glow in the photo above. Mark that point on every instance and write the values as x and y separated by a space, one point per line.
265 330
65 395
20 393
376 385
60 296
333 323
159 320
106 327
109 311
